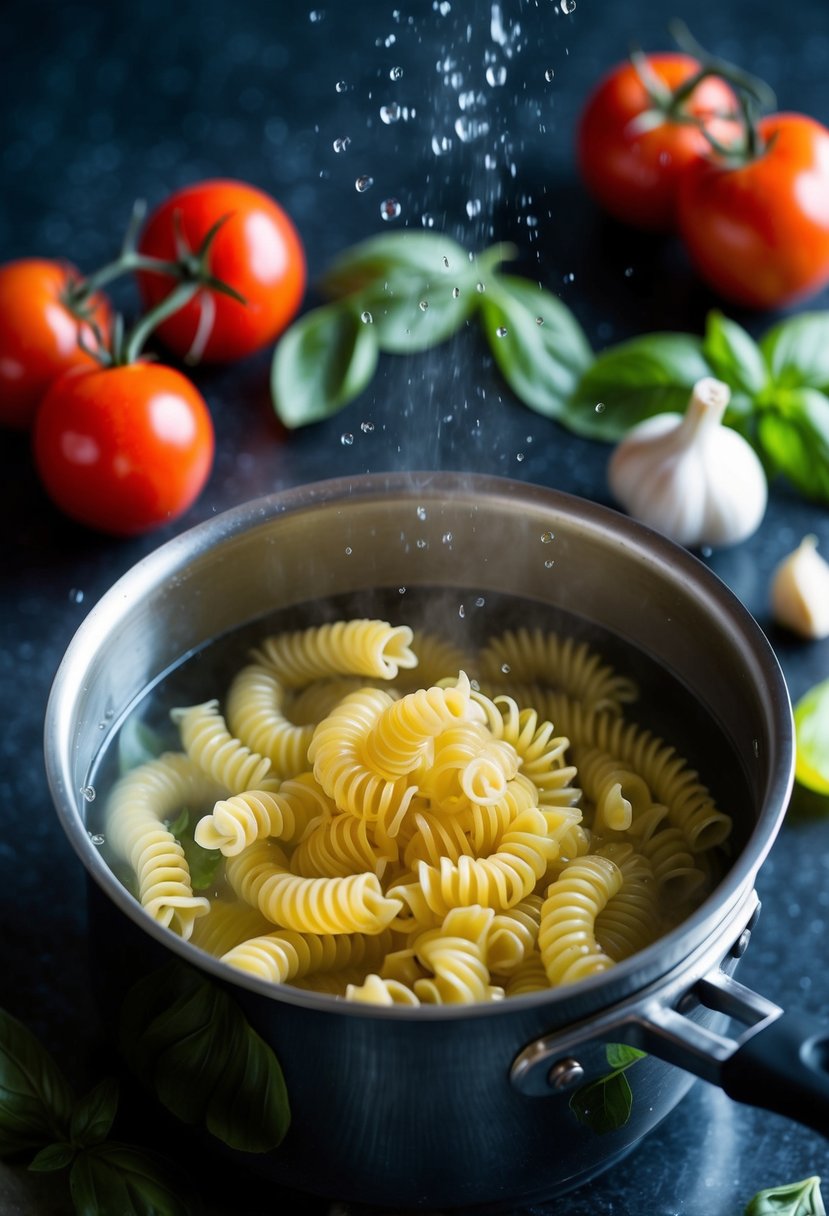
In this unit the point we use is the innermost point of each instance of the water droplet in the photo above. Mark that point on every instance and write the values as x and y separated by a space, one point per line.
401 590
474 206
706 550
755 745
490 162
427 220
539 320
567 6
75 596
468 129
444 8
316 15
366 427
519 456
569 278
342 144
96 838
422 544
390 209
479 601
480 288
549 563
505 669
392 38
501 331
461 611
441 144
395 73
628 272
366 317
423 305
348 550
390 113
363 183
445 262
447 538
421 513
550 75
496 76
88 793
456 291
341 86
346 439
600 407
547 537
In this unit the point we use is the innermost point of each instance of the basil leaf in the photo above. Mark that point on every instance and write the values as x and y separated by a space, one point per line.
605 1105
93 1115
538 344
137 744
410 315
811 724
734 356
202 863
619 1055
796 1199
53 1157
397 256
35 1098
118 1178
650 375
797 351
188 1039
793 436
321 363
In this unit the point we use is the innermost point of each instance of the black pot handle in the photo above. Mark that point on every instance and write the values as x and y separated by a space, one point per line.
784 1067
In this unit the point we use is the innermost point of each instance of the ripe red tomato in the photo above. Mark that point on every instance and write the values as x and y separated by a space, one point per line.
634 172
123 449
257 251
758 232
39 333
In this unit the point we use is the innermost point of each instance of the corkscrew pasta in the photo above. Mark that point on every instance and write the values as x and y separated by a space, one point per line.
394 819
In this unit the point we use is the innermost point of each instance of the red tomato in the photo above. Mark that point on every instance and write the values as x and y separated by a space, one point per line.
758 232
257 251
123 449
634 172
39 333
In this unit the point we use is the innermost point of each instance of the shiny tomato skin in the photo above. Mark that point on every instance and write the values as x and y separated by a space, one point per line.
634 175
123 450
758 233
257 251
39 334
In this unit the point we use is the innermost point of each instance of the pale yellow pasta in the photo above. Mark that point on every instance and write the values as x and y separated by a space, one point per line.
286 955
256 715
359 647
567 933
228 924
238 821
469 767
137 807
529 976
513 935
632 918
456 955
339 845
436 835
436 658
208 742
403 733
486 824
616 792
308 706
675 868
525 656
541 753
354 904
375 990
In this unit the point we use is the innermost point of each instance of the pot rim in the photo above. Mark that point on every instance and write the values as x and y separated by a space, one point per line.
711 918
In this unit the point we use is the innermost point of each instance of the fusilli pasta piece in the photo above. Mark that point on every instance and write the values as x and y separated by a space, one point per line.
566 937
359 647
455 954
526 656
237 822
208 742
378 991
256 715
285 955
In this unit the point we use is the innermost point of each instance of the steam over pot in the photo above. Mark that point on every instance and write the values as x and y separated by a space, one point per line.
455 1106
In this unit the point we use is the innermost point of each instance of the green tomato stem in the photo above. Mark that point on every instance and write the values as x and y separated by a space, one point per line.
133 343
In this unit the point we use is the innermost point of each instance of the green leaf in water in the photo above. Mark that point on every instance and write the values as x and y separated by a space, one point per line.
202 863
605 1105
795 1199
811 724
395 258
35 1098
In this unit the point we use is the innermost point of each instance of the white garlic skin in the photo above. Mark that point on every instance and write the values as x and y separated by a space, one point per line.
693 479
800 591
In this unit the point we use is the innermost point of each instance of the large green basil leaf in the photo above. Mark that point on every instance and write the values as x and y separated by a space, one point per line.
322 363
187 1038
410 315
793 435
734 356
94 1113
797 351
118 1180
35 1098
795 1199
605 1105
627 383
395 257
538 345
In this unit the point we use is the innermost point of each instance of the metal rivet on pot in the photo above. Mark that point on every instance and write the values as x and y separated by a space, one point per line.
565 1073
741 945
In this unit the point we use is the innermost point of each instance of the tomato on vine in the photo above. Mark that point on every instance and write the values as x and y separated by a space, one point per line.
48 323
641 128
755 220
255 251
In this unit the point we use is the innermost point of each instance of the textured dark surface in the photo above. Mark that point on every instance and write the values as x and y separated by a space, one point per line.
101 104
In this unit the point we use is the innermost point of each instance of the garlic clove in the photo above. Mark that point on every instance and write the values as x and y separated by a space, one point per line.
800 591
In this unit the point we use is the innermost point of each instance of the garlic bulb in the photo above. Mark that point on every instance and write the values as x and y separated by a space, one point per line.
695 480
800 591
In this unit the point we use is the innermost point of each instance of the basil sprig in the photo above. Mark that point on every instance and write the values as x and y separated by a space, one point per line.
605 1105
43 1121
404 293
794 1199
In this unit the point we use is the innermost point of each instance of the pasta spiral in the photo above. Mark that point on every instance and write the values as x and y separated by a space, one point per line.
208 742
525 656
237 822
398 741
287 955
256 715
567 933
359 647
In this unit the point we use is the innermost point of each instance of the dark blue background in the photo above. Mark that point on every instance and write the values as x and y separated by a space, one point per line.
103 103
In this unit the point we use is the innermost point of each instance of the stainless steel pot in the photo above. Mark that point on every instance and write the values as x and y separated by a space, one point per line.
488 1104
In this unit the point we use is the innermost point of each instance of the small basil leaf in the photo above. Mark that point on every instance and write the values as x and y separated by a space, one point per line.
53 1157
538 344
137 744
398 256
811 723
793 436
93 1115
619 1055
408 315
202 863
797 351
116 1178
188 1039
795 1199
604 1105
734 356
650 375
321 363
35 1098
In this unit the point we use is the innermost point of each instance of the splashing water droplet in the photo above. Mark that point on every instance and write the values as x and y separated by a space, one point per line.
88 793
447 538
422 544
519 456
366 317
600 407
421 513
390 209
75 596
456 291
342 144
366 427
316 15
445 262
547 537
390 113
461 611
539 320
395 73
569 278
346 439
363 183
480 601
501 331
480 288
441 144
401 590
548 565
628 272
427 220
348 550
423 305
505 669
341 86
567 6
474 206
496 75
468 129
549 75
